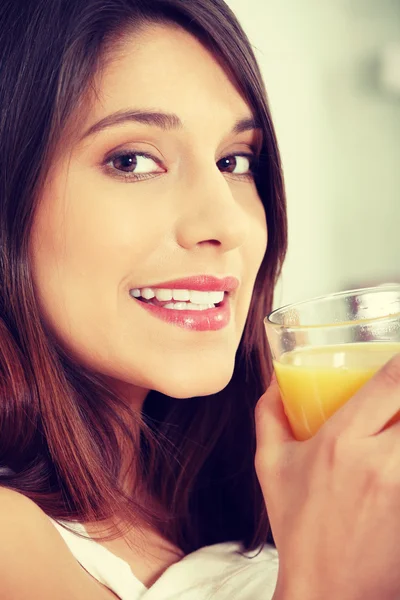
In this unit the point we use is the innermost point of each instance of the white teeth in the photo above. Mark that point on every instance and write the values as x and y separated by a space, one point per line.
176 305
163 295
216 297
206 297
147 293
200 297
182 295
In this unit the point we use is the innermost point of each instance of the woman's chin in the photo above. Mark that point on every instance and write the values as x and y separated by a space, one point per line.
198 384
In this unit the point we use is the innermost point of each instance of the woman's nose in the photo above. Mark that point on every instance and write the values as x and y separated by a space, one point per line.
211 214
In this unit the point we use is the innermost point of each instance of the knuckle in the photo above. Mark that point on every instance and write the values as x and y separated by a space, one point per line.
266 464
274 468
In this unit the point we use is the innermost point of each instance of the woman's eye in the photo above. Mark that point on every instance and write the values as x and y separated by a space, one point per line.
237 164
134 165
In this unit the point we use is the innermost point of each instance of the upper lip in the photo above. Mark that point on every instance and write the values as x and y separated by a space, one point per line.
201 283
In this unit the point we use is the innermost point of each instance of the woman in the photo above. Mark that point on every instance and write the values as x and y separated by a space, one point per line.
142 231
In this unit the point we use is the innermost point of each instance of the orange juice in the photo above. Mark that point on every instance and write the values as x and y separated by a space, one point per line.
315 382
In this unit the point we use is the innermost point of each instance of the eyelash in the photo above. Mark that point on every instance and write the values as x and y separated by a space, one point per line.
132 177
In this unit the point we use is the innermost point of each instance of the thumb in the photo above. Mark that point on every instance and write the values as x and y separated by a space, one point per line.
272 425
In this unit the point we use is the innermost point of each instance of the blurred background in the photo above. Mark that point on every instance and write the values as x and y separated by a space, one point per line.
332 72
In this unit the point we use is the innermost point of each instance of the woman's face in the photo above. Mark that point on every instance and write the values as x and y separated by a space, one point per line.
140 201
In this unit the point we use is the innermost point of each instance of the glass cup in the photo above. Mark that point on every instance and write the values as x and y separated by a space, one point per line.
326 348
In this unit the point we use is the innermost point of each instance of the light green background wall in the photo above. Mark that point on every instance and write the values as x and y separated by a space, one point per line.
339 133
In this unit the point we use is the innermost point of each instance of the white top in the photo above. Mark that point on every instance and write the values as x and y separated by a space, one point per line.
212 573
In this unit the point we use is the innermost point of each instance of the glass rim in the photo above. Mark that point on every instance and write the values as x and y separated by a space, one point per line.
342 324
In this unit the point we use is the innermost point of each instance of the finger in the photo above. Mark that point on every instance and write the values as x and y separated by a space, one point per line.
374 406
272 426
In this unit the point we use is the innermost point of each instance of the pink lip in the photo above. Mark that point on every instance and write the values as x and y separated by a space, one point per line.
213 319
204 320
200 283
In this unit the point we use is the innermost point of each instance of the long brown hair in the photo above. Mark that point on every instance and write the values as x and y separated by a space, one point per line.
60 425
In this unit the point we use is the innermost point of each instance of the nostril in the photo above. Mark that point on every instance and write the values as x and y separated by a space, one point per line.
211 242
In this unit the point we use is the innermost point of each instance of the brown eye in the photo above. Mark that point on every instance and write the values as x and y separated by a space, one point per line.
136 163
237 164
125 162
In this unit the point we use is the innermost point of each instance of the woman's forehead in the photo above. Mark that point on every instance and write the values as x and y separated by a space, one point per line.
163 68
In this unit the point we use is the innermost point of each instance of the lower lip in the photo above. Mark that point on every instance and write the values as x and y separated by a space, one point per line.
211 319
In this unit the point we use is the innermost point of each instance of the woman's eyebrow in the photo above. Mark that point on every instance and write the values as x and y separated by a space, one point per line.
165 121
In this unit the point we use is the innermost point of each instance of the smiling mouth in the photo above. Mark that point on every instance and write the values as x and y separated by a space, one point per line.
180 299
198 303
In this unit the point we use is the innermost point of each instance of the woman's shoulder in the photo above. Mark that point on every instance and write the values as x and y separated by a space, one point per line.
18 504
34 560
21 520
25 544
